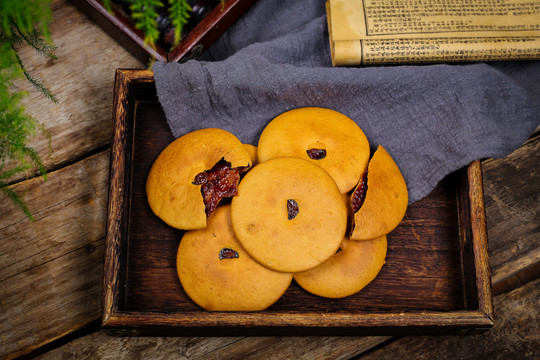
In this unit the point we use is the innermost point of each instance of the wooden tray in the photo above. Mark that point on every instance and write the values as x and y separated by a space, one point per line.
194 43
436 278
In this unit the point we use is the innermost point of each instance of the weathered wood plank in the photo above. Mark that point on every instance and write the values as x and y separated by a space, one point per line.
516 334
508 339
100 346
82 79
512 199
309 348
51 269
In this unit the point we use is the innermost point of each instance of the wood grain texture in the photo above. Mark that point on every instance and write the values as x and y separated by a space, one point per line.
121 29
479 233
51 269
82 79
101 346
118 183
516 334
308 348
512 198
506 340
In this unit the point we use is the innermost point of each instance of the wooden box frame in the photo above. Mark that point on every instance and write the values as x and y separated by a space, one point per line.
135 87
205 33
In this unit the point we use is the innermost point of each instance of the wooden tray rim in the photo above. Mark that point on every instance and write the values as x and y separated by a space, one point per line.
112 318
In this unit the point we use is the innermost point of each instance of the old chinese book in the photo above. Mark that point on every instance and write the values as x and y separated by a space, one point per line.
364 32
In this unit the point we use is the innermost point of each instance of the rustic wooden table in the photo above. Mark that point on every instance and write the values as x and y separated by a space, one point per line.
51 269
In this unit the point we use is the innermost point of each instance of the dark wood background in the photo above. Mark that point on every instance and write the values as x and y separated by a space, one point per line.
51 269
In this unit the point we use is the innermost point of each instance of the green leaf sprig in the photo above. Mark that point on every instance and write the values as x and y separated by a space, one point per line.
21 22
179 11
145 14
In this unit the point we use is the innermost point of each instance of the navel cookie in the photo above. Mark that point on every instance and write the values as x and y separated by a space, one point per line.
355 265
289 214
218 274
380 199
322 136
192 174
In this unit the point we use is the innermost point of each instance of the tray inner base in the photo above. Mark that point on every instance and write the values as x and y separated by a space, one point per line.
422 270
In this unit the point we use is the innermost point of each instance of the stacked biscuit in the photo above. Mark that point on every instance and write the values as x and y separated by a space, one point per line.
307 203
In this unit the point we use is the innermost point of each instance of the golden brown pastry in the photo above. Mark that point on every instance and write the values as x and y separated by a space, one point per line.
385 201
206 159
289 214
347 272
218 274
322 136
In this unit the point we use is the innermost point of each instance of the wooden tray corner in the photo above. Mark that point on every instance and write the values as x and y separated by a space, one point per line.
194 43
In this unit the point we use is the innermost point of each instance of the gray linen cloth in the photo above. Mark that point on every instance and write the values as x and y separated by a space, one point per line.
432 119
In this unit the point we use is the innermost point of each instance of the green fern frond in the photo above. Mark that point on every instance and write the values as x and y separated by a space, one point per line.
6 175
36 159
36 40
144 12
21 21
42 88
108 6
26 15
37 84
179 12
16 199
41 18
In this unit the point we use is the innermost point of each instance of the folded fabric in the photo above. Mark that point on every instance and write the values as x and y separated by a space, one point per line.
432 119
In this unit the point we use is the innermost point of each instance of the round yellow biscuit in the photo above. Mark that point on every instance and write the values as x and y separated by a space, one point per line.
348 271
385 201
261 218
218 274
299 131
170 190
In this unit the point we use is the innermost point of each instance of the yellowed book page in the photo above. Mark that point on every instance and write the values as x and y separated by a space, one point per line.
348 50
415 31
446 49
